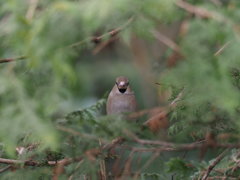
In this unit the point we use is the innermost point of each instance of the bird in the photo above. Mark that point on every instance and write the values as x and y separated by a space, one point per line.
121 99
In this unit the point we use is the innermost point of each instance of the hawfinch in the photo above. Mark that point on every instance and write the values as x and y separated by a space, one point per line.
121 98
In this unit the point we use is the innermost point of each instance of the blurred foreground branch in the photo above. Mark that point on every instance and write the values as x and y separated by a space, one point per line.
165 40
199 11
6 60
95 39
107 34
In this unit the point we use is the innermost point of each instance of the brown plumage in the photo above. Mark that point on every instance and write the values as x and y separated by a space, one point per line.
121 99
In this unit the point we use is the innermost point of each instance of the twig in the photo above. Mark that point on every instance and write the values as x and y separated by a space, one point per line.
59 164
104 44
214 163
91 39
99 38
127 165
216 2
158 149
75 169
114 143
140 113
77 133
168 146
184 147
221 49
36 163
70 177
200 12
5 168
165 40
24 162
6 60
160 109
31 10
179 96
102 166
154 156
159 120
222 178
58 170
149 142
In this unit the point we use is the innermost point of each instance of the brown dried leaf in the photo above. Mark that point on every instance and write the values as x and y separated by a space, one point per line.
92 154
157 121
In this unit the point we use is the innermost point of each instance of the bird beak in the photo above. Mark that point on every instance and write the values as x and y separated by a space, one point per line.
122 86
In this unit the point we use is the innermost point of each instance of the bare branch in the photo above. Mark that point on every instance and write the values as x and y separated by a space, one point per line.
179 96
31 10
6 60
222 177
127 168
214 163
114 143
99 38
58 170
216 2
111 33
77 133
172 104
102 166
168 146
159 119
221 49
24 162
5 168
200 12
165 40
65 161
104 44
154 156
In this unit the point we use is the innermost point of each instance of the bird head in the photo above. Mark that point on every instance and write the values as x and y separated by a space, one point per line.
122 84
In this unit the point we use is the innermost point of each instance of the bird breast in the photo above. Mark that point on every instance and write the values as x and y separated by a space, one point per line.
121 103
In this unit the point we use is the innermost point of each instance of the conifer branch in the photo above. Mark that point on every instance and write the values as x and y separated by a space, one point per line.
97 39
213 164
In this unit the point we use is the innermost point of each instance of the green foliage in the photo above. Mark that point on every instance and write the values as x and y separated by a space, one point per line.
178 166
151 176
71 59
212 97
